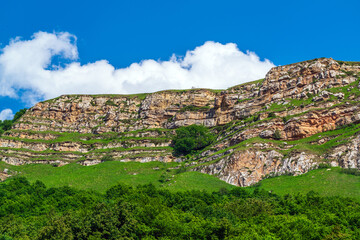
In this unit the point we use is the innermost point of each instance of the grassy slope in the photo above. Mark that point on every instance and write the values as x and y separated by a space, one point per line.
102 176
323 181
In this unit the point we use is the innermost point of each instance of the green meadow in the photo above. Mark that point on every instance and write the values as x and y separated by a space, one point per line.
102 176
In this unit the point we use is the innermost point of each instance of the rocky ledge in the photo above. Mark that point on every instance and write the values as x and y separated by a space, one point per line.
301 115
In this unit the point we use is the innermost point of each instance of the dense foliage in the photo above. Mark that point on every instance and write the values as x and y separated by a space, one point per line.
191 138
7 124
32 211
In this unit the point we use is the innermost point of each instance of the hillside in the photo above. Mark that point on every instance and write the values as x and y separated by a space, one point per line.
100 177
299 116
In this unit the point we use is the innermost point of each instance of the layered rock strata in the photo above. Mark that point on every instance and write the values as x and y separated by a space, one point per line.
267 127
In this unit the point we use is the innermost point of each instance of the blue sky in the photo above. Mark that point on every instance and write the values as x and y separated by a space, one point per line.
126 32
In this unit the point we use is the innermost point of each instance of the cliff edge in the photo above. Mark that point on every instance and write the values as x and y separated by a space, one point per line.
301 115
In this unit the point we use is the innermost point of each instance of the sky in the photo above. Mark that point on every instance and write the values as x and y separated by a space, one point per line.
49 48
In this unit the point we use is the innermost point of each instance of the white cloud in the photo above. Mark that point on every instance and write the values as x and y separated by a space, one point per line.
27 69
6 114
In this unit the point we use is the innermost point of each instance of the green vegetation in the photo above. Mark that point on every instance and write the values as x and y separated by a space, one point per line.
277 134
192 108
7 124
310 144
19 114
107 174
110 103
352 171
192 90
34 211
238 87
271 115
191 138
333 182
349 63
243 100
140 96
88 138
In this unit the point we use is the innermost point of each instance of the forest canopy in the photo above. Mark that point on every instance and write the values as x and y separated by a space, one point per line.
33 211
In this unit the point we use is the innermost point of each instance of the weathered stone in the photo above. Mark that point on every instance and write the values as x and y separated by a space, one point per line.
172 109
266 134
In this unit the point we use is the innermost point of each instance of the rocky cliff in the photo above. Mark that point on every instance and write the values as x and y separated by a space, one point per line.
299 116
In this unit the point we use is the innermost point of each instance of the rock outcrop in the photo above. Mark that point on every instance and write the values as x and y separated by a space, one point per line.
299 116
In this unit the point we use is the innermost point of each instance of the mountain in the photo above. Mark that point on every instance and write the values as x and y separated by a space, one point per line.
300 116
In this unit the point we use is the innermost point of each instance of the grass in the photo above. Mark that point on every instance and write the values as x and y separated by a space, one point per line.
140 96
88 138
348 63
198 181
192 90
102 176
326 182
238 87
192 108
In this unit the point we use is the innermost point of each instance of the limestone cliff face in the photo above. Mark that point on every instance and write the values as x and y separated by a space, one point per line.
267 127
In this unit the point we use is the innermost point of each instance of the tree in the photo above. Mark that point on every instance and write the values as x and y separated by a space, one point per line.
19 114
191 138
7 124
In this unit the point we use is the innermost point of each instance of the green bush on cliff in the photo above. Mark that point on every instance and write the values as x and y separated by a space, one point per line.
277 135
191 138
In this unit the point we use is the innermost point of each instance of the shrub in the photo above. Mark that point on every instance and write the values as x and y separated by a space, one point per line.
352 171
7 124
180 169
110 103
270 115
107 157
256 118
286 118
192 108
19 114
165 177
277 134
191 138
55 164
324 165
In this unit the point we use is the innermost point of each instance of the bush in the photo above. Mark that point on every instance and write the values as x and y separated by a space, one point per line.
270 115
180 169
324 165
286 118
277 134
19 114
107 157
191 138
165 177
352 171
7 124
256 118
110 103
192 108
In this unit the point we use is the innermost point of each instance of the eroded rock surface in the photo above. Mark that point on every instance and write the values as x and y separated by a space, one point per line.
260 125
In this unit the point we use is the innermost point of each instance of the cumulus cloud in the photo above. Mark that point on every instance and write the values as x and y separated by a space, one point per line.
28 69
6 114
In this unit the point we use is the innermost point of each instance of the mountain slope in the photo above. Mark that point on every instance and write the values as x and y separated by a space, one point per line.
299 116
